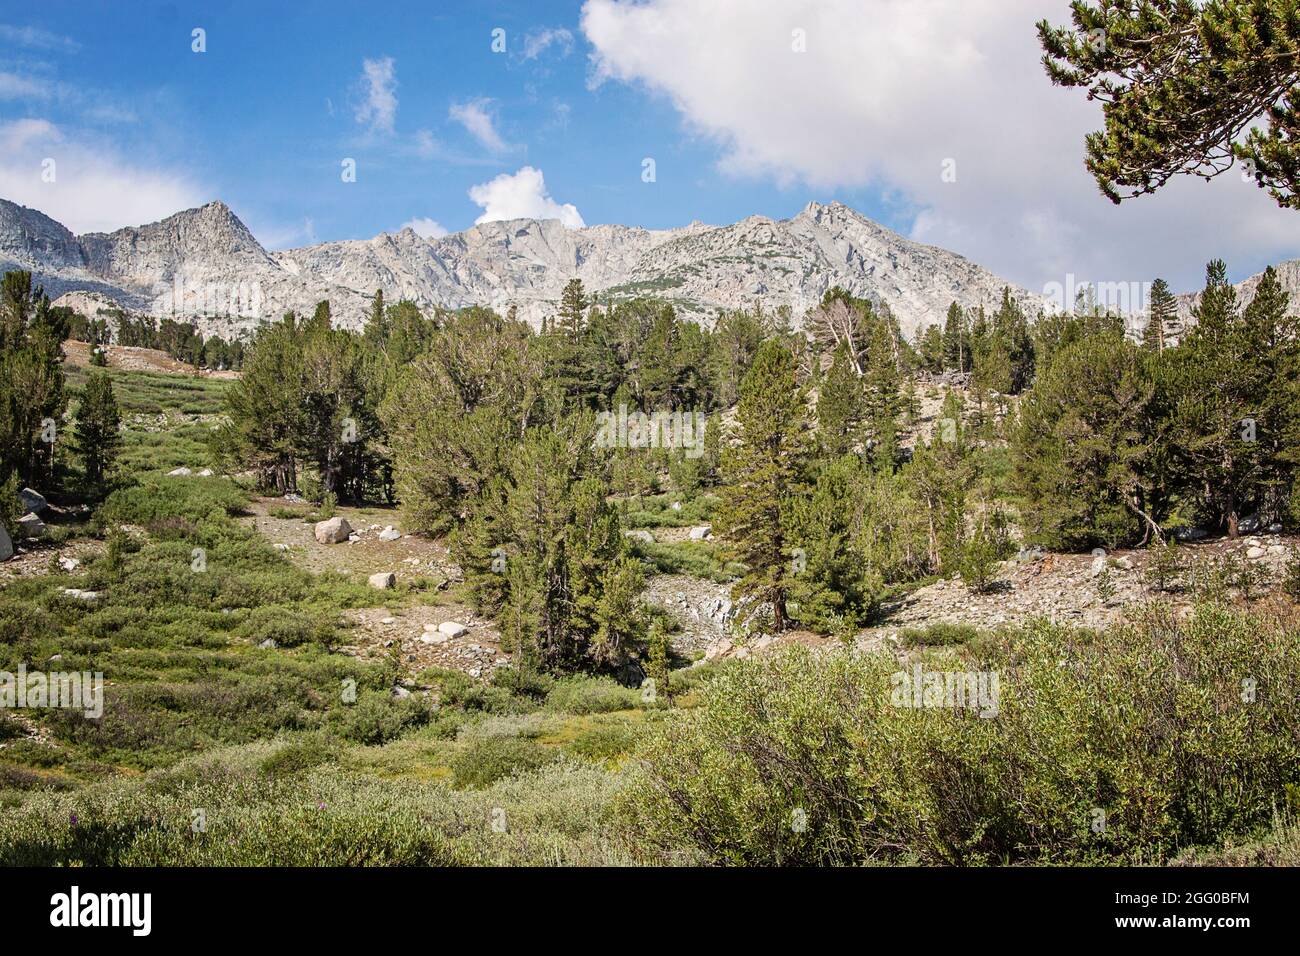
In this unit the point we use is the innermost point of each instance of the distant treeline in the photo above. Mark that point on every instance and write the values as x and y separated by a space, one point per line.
180 340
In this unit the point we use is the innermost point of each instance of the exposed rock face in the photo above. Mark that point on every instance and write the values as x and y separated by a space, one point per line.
203 264
333 531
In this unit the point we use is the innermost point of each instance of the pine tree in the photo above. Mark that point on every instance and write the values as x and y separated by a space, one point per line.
1215 424
1083 446
883 393
1163 309
97 432
573 308
760 473
840 408
956 344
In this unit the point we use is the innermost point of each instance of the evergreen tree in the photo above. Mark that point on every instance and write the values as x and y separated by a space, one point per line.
573 308
1215 424
1163 309
1083 446
760 473
956 341
840 408
97 432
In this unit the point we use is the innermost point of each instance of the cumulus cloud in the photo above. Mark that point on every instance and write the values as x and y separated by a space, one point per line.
522 195
94 188
428 228
887 95
538 42
378 109
477 118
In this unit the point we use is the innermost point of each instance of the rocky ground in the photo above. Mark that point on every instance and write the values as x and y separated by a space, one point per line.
1084 590
408 629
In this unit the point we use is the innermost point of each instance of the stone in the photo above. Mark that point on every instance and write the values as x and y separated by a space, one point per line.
383 580
30 526
268 644
179 473
640 535
389 620
433 637
33 501
452 628
400 692
282 547
1256 553
6 546
206 473
69 564
389 534
334 531
81 595
1275 529
676 506
475 672
702 533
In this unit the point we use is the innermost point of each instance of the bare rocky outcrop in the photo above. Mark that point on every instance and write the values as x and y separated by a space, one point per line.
203 264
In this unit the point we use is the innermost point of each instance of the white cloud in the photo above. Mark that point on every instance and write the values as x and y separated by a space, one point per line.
16 87
379 85
94 189
37 39
522 195
537 43
428 228
887 90
476 117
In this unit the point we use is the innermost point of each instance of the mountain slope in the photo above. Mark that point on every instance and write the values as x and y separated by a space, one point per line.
204 263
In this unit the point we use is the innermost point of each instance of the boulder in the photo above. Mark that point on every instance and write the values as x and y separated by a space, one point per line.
179 473
389 534
69 564
640 535
383 580
206 473
701 533
81 595
268 644
1256 553
30 526
452 628
33 501
333 531
6 546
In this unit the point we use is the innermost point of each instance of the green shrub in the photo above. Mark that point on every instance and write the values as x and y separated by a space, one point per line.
484 761
591 695
1174 734
939 634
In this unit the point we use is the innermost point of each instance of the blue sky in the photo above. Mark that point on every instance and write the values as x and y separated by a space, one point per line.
746 107
264 117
